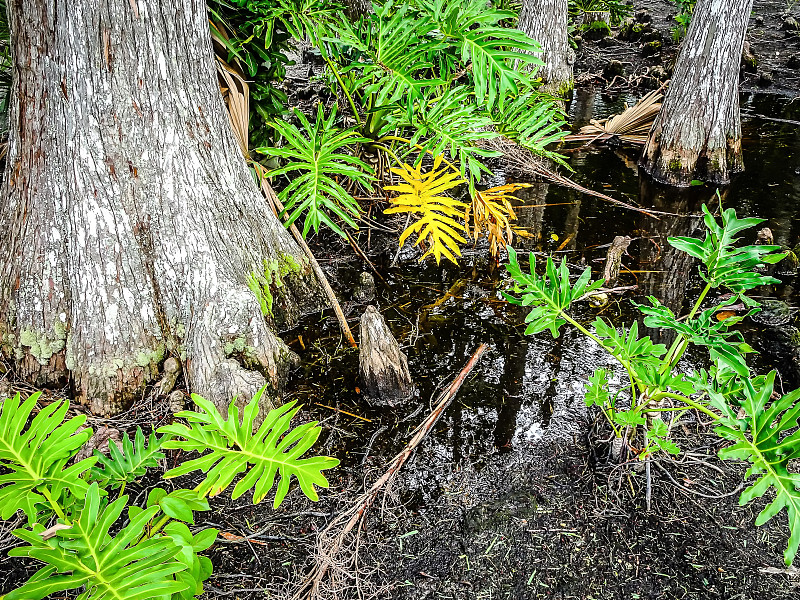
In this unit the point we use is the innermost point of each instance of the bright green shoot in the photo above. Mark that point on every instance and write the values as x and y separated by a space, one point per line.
642 411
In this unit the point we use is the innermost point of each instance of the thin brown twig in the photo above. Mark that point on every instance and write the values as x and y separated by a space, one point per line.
277 206
350 518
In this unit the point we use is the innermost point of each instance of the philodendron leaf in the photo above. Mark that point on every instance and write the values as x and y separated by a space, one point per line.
230 447
37 456
124 565
768 438
126 465
550 294
727 265
597 390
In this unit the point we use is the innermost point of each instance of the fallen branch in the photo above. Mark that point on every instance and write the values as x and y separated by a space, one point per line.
277 207
326 553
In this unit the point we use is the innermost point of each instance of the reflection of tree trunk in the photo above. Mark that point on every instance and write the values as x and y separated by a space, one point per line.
572 222
584 106
530 215
515 353
672 267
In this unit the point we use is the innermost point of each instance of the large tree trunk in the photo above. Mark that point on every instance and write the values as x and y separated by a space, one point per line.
546 22
698 133
128 220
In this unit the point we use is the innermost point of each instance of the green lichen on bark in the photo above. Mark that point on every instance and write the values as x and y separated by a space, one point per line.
40 345
151 358
275 272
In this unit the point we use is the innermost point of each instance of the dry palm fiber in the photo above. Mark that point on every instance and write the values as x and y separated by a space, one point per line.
632 126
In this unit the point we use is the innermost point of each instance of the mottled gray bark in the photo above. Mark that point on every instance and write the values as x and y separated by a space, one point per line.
698 133
128 218
546 22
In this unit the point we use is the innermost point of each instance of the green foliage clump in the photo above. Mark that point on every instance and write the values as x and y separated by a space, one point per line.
642 410
427 77
73 526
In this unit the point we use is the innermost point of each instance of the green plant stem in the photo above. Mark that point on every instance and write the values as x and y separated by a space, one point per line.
54 504
624 363
688 402
318 43
336 74
681 343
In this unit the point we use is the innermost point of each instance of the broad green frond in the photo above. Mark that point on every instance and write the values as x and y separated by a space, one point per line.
550 294
440 217
768 437
126 465
625 344
533 121
396 53
314 151
452 124
37 456
496 55
118 567
725 346
725 264
228 447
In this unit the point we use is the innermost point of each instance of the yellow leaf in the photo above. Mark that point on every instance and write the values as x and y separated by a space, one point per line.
440 216
491 212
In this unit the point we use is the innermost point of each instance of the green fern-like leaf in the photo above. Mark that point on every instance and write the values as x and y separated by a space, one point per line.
315 151
111 567
37 457
228 447
496 55
453 125
534 121
550 294
726 264
124 466
768 438
396 54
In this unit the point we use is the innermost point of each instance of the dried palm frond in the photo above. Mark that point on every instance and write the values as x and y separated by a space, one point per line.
492 213
233 86
236 94
632 125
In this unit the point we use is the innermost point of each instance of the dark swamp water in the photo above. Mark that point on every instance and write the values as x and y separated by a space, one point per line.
504 499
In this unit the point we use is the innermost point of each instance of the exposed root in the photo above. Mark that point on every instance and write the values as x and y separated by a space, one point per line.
333 538
231 353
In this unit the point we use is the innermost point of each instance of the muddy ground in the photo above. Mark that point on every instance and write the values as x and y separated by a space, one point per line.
519 505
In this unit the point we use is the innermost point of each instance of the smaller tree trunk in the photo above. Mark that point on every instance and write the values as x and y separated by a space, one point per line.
698 133
383 366
546 22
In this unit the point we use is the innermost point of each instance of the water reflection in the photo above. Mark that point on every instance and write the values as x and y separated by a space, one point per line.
529 388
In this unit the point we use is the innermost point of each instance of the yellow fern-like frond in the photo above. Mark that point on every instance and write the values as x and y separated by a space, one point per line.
491 212
440 217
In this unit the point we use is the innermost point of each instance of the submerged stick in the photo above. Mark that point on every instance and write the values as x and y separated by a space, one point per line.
277 207
325 557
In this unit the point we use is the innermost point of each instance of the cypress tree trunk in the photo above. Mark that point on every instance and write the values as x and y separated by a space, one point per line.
546 22
128 218
698 133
